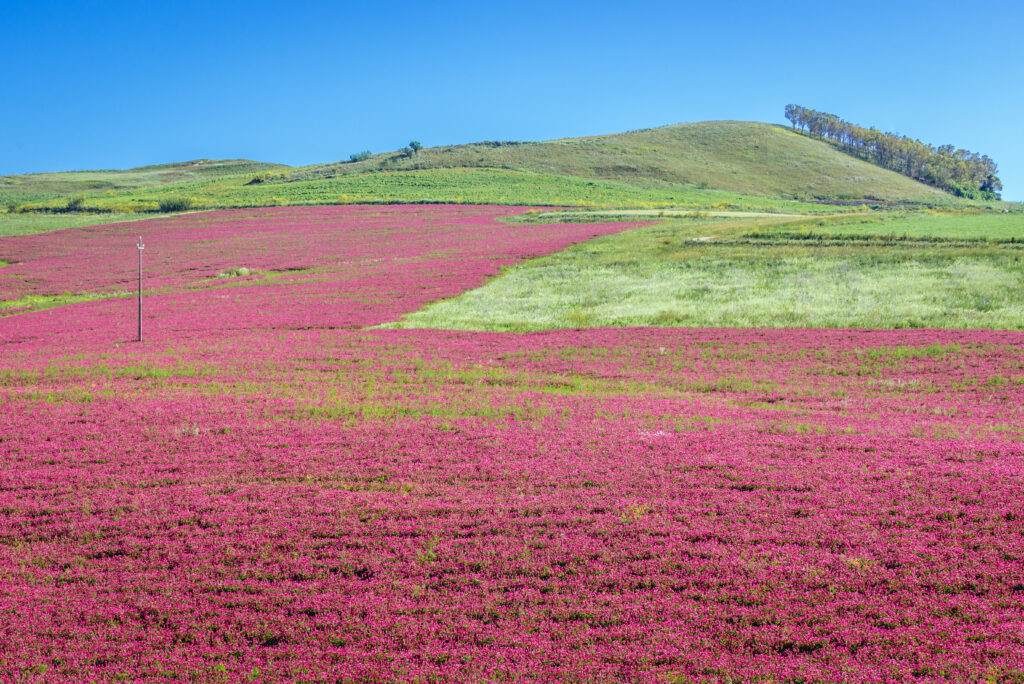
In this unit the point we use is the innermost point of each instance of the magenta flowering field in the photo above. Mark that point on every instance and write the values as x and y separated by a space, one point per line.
311 267
265 489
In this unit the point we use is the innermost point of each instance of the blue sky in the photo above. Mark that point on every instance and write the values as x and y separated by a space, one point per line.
121 84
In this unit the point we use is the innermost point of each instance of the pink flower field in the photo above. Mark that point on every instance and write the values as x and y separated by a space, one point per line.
267 488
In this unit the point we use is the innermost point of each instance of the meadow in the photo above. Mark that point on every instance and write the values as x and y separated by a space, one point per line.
32 223
742 157
709 166
461 186
271 486
874 270
36 187
952 226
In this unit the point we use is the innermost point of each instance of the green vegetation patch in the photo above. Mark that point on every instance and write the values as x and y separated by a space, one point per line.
470 186
743 157
46 186
893 355
696 273
10 307
926 225
32 223
708 167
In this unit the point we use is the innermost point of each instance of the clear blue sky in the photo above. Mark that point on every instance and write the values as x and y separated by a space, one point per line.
119 84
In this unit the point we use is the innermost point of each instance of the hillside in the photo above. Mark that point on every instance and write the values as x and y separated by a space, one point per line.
710 166
41 186
743 157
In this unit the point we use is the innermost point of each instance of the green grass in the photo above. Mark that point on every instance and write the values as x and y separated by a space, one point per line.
472 186
37 187
747 158
30 224
710 166
967 226
38 302
704 273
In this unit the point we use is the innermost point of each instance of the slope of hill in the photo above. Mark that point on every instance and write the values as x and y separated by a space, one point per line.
706 166
42 186
743 157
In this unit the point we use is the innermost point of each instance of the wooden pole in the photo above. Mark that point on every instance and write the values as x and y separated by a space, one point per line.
141 247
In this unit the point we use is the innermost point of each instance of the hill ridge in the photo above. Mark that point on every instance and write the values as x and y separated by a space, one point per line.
703 166
740 156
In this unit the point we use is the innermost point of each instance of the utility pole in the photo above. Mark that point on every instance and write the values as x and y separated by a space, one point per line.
141 247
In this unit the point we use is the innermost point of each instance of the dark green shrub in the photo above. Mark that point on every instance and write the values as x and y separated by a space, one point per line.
74 203
266 178
169 204
360 156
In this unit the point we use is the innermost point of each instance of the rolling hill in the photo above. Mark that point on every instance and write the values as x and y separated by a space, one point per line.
743 157
714 165
42 186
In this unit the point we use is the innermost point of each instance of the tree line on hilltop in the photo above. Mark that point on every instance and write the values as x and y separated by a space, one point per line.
961 172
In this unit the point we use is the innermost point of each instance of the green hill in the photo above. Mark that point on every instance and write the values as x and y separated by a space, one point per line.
718 165
36 187
742 157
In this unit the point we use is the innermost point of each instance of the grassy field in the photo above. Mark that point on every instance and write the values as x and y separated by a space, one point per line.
32 223
460 186
741 157
710 166
718 272
41 187
966 226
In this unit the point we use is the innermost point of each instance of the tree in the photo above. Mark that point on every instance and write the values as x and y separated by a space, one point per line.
415 146
962 172
792 114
